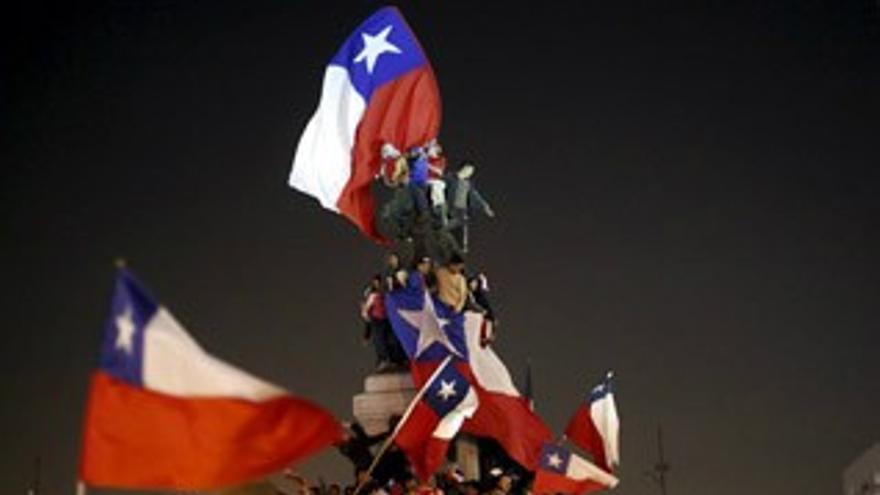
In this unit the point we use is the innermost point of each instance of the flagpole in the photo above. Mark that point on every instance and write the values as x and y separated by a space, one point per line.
400 423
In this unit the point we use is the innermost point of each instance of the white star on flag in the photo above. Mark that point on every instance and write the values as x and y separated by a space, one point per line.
447 390
429 326
375 45
125 331
554 460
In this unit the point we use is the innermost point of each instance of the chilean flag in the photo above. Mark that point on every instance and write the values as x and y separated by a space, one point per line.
504 414
445 401
378 88
595 426
429 331
562 471
164 414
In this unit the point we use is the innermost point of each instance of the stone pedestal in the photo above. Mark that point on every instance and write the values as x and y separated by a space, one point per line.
388 394
385 395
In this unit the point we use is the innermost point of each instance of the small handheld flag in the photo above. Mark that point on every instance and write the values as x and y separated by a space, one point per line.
595 426
562 471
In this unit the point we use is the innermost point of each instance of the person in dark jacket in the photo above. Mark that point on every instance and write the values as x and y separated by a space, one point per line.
478 286
463 199
378 328
356 444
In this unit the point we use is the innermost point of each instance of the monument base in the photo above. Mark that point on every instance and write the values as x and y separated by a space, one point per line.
388 394
385 395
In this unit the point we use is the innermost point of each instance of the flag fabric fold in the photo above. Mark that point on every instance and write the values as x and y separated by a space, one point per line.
378 88
595 426
164 414
429 330
504 414
562 471
448 399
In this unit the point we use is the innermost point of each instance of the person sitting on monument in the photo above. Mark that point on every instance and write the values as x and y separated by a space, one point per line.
391 162
436 185
417 214
405 217
451 284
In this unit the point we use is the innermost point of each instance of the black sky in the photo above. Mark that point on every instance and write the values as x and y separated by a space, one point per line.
687 193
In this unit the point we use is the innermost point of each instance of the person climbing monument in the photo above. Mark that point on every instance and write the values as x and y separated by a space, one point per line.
462 199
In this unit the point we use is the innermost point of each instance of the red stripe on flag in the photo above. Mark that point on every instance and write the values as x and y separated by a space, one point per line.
406 112
134 438
511 422
582 432
507 419
548 482
416 439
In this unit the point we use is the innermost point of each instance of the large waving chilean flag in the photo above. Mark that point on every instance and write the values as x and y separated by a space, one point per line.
378 88
429 331
164 414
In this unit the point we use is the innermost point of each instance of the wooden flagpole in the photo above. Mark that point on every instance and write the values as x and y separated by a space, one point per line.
399 425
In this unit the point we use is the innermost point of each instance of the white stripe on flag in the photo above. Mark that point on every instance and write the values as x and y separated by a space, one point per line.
603 412
175 364
581 469
488 368
451 423
322 164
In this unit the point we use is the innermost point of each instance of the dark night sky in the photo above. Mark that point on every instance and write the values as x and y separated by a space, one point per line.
687 193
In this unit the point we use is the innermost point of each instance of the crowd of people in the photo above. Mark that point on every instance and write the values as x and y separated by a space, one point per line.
392 474
448 482
426 218
449 282
429 208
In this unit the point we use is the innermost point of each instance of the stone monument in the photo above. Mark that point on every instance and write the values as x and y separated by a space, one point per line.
385 395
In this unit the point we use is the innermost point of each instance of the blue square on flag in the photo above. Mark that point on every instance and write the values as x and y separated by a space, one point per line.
600 391
428 329
381 49
447 390
555 458
122 350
